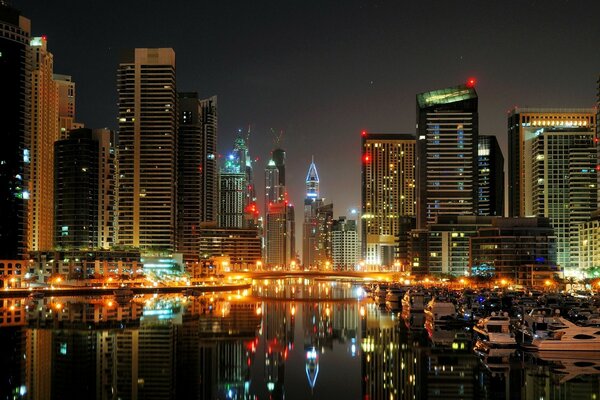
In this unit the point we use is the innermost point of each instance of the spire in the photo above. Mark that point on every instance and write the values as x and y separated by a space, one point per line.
312 181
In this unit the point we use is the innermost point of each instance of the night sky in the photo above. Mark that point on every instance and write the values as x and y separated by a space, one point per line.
321 71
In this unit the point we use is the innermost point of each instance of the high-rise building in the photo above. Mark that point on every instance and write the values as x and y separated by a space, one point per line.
344 244
280 248
232 193
280 235
272 187
241 153
66 105
552 170
15 152
147 149
490 165
310 226
197 170
324 223
276 224
44 132
447 137
388 193
278 157
84 190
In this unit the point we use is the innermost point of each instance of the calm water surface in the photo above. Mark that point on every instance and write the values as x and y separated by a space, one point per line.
293 339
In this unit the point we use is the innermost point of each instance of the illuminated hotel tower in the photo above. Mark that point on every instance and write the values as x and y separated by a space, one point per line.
552 172
15 152
388 193
447 137
310 230
147 149
44 132
197 178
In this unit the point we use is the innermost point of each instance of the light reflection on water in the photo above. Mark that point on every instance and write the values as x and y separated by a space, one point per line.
296 339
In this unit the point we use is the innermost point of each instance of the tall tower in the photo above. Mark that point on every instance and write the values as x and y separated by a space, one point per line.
310 226
15 152
490 189
44 132
147 149
66 105
84 186
197 170
447 137
552 170
279 214
388 193
232 193
272 187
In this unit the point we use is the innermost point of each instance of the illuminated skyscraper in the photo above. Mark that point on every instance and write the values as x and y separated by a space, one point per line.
280 247
310 226
388 193
147 149
44 132
232 193
490 164
447 137
272 187
552 172
15 152
197 170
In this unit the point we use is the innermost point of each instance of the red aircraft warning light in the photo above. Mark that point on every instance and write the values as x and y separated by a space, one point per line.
363 133
471 82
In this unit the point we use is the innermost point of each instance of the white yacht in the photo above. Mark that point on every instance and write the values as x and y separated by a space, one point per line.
568 337
494 332
439 311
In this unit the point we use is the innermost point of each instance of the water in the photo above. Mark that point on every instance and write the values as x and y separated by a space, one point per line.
293 339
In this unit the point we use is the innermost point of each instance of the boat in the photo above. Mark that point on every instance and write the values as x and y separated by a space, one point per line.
568 337
413 302
493 332
440 311
535 324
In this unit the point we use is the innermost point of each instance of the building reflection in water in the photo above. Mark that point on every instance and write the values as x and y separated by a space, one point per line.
285 343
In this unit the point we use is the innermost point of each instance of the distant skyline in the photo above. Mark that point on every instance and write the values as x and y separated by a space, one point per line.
324 71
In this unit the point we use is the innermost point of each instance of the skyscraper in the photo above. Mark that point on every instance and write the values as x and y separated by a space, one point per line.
310 226
490 189
197 170
344 244
552 169
280 245
324 220
15 152
388 193
232 193
447 137
44 132
272 187
84 187
66 105
147 149
279 214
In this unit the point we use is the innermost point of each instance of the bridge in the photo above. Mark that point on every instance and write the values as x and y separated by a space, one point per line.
351 275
